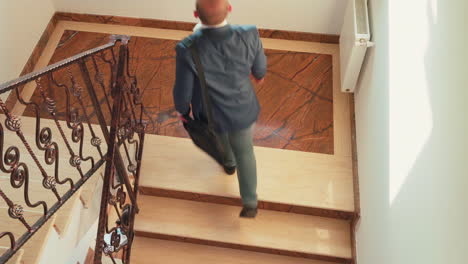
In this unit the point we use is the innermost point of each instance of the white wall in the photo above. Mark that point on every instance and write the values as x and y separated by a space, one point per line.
372 125
22 23
317 16
412 132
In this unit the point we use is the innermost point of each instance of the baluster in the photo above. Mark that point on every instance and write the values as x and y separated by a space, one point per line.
13 123
99 77
95 140
15 211
112 152
75 160
44 142
120 81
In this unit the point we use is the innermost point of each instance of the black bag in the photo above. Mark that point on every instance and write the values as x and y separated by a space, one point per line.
201 132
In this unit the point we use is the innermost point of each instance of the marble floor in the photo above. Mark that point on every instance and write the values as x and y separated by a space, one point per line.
297 98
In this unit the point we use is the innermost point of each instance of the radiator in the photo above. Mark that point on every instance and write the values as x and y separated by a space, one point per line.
354 42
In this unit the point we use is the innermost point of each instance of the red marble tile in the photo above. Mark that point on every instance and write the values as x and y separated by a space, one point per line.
302 36
175 130
266 137
296 98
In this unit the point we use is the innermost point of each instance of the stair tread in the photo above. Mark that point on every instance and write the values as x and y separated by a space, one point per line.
156 251
8 224
220 223
35 246
90 187
32 250
16 259
63 219
284 176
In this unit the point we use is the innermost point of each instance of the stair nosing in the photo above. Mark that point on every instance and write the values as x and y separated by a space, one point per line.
148 232
230 245
319 199
236 201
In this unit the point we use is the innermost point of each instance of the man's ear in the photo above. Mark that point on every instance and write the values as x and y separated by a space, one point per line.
230 8
195 14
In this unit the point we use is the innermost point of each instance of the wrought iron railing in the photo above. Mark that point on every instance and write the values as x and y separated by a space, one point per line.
90 108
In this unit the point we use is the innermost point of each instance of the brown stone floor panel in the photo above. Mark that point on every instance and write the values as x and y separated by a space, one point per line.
296 99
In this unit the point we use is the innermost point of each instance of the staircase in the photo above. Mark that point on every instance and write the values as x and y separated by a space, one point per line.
189 208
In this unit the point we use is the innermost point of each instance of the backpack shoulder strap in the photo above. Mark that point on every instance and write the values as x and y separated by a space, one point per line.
192 46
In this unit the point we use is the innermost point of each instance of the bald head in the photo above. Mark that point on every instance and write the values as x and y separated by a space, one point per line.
212 12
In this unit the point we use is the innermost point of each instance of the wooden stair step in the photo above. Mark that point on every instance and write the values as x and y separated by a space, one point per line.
219 225
16 259
8 224
108 260
287 180
92 203
63 218
35 246
156 251
90 188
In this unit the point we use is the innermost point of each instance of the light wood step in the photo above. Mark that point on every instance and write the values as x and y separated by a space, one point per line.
220 225
155 251
16 259
83 196
63 219
92 205
35 246
89 189
287 180
108 260
32 250
8 224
